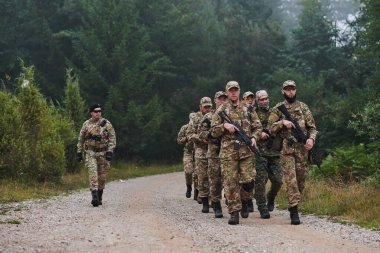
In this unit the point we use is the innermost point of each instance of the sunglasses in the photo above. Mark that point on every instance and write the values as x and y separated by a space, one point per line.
97 111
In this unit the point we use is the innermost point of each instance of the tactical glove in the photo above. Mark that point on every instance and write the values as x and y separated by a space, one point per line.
108 156
79 157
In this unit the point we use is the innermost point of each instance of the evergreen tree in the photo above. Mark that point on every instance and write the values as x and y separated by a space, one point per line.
74 109
313 48
45 155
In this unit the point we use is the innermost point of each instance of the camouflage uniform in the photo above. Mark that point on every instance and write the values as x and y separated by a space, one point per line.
214 170
188 154
95 139
293 159
268 165
201 164
237 165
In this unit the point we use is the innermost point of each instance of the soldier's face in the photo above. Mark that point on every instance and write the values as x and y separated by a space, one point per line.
289 91
248 100
205 109
263 101
233 94
220 100
96 113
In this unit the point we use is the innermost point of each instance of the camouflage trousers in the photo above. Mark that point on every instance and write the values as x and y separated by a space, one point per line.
201 167
234 174
215 179
188 166
97 167
295 168
267 167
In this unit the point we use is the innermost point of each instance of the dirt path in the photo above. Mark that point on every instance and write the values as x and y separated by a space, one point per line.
151 214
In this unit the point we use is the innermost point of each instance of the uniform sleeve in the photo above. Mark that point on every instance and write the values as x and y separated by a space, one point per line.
111 137
192 131
256 126
217 128
81 138
181 139
310 124
275 121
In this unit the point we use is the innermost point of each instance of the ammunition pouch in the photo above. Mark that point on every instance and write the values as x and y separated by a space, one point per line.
236 145
95 137
95 149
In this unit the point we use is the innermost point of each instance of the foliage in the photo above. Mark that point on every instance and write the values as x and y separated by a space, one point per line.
74 110
353 163
45 159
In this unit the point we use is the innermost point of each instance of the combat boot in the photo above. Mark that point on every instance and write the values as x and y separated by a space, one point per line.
205 208
234 220
244 210
270 204
100 195
95 198
188 191
294 217
217 209
264 214
250 206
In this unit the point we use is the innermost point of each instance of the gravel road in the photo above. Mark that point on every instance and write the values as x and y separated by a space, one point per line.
151 214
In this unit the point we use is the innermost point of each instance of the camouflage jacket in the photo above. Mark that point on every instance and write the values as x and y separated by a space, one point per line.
213 147
275 141
183 140
300 112
98 134
249 122
200 145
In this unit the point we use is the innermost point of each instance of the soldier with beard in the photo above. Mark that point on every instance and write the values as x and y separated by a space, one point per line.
268 165
294 153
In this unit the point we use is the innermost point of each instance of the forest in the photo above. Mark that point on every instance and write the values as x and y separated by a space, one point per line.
148 63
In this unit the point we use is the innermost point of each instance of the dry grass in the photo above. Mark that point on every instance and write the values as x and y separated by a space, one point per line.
353 203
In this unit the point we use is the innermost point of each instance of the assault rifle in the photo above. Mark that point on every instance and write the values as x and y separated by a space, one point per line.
296 131
241 136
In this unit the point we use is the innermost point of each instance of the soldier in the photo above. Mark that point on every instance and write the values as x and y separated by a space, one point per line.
294 152
269 164
97 141
238 171
214 171
188 157
248 99
201 164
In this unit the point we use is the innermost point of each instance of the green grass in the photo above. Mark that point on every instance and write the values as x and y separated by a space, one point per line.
10 222
348 204
14 191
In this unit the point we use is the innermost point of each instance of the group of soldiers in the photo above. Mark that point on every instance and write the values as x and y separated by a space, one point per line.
241 144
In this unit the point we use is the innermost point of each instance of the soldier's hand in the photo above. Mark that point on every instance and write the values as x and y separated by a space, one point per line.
264 136
79 157
108 156
309 144
288 124
253 142
230 128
